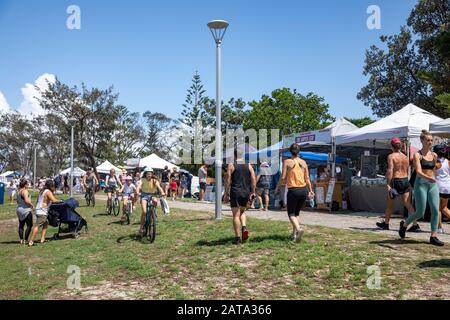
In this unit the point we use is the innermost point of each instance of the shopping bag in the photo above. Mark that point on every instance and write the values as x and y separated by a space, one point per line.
164 206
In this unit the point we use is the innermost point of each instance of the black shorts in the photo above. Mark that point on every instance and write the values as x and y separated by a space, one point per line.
203 186
296 198
239 199
444 196
401 185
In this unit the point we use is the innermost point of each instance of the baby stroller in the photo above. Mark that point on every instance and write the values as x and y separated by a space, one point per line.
64 213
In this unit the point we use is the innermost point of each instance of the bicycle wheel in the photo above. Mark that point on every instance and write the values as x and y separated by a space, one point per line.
116 206
88 199
151 234
93 199
128 213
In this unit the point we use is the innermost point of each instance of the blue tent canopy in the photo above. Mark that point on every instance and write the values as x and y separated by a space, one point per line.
313 156
305 155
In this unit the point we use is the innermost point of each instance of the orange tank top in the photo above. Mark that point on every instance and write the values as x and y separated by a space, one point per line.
296 175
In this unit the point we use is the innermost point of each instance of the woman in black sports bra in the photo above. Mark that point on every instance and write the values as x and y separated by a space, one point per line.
425 188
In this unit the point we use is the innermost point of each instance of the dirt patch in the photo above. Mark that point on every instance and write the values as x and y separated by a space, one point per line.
8 225
107 290
436 289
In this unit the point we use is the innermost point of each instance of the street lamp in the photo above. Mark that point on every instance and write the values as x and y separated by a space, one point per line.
218 29
72 122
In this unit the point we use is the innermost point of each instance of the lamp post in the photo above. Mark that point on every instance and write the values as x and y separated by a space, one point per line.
218 29
72 122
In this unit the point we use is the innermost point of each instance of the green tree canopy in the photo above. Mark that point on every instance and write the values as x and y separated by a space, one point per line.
288 111
410 69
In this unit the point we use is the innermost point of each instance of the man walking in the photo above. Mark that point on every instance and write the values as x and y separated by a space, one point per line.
397 184
165 175
240 186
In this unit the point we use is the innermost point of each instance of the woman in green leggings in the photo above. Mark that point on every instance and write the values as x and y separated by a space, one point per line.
425 188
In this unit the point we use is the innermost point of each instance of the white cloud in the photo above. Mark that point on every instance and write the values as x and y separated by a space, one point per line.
30 105
4 106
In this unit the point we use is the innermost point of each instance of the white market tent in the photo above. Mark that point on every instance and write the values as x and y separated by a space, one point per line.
106 166
77 172
441 128
7 174
155 162
320 137
407 122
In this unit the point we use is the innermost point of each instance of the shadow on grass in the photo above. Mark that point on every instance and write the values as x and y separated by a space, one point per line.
118 222
134 237
398 242
374 229
441 263
229 240
100 215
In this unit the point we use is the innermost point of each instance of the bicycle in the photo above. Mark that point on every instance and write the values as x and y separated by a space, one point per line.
90 197
150 221
127 210
114 206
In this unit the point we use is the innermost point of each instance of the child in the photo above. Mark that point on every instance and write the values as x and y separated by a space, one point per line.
173 188
129 192
11 192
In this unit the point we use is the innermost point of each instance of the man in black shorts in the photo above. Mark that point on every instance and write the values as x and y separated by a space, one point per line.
397 184
240 185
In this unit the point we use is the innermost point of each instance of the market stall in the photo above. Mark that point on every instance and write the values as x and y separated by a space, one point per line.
441 128
368 192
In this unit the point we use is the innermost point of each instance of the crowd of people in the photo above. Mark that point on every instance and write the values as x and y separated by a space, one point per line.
428 184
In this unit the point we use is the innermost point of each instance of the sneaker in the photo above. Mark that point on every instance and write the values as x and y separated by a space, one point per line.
414 228
383 225
298 235
441 231
237 240
244 233
436 242
402 230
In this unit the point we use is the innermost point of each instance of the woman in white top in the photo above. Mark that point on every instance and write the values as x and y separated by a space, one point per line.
443 181
46 198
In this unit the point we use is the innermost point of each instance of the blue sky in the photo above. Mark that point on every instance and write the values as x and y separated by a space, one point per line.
149 50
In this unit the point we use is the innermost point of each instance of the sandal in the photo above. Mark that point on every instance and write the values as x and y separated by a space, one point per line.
31 244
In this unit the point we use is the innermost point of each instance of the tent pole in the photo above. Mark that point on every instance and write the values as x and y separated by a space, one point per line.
408 154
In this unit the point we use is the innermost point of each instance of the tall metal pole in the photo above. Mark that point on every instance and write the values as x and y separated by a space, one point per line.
34 169
71 163
218 135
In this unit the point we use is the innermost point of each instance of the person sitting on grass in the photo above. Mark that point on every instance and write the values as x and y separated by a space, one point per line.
46 198
24 210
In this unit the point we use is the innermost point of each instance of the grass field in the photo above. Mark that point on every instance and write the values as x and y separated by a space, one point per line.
193 258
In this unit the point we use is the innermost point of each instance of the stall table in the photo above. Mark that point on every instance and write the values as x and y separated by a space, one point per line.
372 199
321 189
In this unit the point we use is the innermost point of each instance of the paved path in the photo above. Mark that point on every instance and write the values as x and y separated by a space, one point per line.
356 221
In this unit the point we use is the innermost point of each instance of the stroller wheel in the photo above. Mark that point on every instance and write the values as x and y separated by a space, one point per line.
55 236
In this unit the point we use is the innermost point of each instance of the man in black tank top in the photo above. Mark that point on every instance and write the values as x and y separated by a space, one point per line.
240 185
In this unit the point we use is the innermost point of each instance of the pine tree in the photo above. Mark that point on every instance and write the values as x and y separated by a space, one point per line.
193 107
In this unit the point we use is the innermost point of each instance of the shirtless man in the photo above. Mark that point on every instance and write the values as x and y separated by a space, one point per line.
397 184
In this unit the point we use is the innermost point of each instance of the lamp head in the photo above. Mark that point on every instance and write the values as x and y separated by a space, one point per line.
218 29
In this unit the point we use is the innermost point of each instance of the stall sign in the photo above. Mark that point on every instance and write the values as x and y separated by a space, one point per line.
330 191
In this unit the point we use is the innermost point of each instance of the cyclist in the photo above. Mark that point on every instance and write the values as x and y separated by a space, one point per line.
129 193
89 182
112 184
147 187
